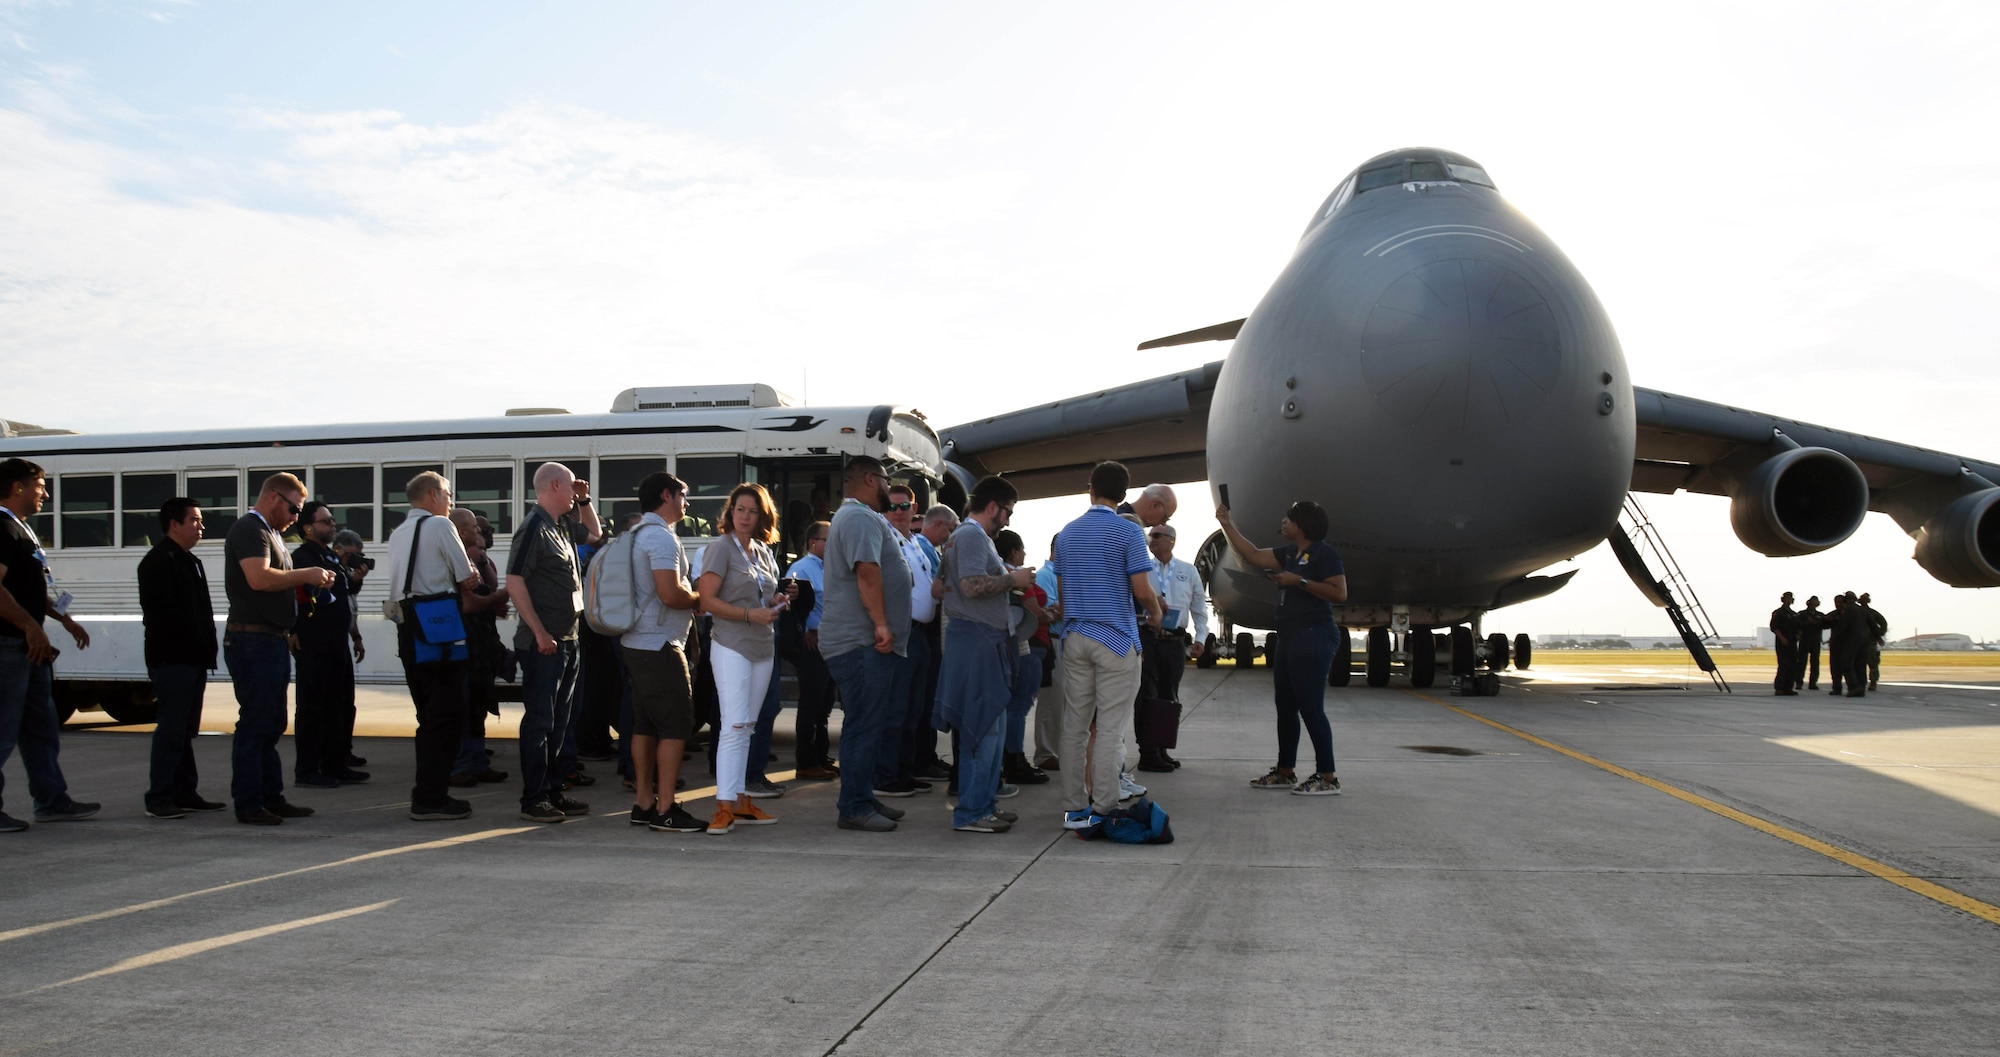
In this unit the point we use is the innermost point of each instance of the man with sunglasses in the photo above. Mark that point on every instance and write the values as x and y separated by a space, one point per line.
897 758
326 641
258 577
27 658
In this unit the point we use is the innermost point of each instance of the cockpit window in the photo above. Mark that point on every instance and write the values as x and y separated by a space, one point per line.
1471 174
1383 177
1426 170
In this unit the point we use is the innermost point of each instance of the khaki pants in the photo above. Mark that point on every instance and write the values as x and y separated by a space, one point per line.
1049 709
1098 687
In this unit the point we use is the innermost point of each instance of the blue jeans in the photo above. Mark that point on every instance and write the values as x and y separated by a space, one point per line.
867 682
1027 683
178 689
548 693
1298 683
260 666
978 774
760 738
28 719
902 740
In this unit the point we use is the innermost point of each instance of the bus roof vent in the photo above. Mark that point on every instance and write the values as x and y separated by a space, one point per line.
672 397
11 428
516 412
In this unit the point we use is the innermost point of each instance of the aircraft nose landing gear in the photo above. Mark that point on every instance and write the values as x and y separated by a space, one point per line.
1476 665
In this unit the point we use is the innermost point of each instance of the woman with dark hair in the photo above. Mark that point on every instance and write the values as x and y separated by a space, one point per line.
739 589
1310 580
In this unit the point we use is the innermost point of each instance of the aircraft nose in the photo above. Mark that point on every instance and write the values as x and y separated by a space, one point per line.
1461 345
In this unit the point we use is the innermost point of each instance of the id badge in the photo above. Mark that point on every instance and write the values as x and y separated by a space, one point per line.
576 600
62 603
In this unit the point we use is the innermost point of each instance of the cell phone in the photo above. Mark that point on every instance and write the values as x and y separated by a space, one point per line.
1224 490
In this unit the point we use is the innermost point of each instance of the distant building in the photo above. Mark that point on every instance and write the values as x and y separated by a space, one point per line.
1942 640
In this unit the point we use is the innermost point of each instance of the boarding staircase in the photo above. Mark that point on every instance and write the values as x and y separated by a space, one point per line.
1635 541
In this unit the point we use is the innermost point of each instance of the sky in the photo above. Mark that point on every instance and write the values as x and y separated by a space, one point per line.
234 213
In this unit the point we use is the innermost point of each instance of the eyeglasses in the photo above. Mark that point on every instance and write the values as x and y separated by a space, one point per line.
901 506
1007 510
323 521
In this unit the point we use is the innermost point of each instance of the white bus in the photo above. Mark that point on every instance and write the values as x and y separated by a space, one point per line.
106 490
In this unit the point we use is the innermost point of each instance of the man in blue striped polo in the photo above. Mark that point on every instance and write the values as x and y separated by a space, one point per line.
1102 567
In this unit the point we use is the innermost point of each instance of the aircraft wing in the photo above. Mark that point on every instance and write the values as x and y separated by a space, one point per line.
1158 428
1781 473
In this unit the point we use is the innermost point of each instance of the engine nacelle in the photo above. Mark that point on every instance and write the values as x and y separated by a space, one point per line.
1797 502
1960 545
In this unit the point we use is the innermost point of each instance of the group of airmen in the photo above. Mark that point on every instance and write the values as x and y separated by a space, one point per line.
1852 631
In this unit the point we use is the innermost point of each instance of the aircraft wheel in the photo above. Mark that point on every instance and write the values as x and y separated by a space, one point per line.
1423 659
1378 656
1207 658
1462 661
1496 651
1246 650
1489 685
1524 650
131 703
1342 671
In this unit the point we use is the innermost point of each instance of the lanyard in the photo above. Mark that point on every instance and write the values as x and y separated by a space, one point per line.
41 556
756 569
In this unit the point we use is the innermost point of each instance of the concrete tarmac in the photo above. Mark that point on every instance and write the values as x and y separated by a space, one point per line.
1473 892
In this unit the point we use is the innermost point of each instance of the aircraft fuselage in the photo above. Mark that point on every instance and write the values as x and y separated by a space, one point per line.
1433 371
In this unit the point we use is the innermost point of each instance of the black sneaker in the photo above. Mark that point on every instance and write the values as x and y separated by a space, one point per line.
362 761
165 809
66 810
10 824
542 811
644 816
897 789
569 805
259 817
316 781
677 820
350 776
451 809
194 802
286 809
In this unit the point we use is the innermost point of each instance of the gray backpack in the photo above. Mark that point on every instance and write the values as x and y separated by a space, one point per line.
613 595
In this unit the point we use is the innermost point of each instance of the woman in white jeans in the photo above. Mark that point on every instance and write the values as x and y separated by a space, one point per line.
739 589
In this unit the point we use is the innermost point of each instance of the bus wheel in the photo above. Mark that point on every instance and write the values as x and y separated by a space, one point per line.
131 703
65 695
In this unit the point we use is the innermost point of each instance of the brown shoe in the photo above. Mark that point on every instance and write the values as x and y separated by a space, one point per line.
818 774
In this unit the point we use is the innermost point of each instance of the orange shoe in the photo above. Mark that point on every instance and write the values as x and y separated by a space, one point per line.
747 813
723 822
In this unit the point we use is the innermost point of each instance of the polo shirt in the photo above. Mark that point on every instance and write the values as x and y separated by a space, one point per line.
1297 608
1096 555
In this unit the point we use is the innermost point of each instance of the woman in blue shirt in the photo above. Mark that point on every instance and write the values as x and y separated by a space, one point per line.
1310 580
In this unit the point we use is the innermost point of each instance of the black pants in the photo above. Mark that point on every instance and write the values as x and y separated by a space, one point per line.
1788 663
438 691
815 706
1807 667
323 725
1851 668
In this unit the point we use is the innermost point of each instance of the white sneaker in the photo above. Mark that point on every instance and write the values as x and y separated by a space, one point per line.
1127 788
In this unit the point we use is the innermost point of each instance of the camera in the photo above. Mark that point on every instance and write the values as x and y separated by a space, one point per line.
361 561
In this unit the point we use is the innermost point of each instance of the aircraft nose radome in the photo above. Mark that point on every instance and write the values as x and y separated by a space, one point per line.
1458 345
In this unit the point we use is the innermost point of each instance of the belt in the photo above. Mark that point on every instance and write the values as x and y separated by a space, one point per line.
252 629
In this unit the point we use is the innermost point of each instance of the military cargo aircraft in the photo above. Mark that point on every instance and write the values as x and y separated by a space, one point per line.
1432 369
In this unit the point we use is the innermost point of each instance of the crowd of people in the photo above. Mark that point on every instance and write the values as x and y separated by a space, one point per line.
920 626
1851 633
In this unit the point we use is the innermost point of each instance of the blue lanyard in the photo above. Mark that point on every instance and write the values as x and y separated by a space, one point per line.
41 556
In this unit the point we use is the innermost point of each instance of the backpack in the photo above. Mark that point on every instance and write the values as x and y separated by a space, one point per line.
1140 822
613 597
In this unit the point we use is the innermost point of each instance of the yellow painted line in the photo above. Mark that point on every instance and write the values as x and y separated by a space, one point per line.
1927 889
189 950
154 904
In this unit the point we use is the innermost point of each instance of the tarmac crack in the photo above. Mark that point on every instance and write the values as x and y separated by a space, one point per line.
956 931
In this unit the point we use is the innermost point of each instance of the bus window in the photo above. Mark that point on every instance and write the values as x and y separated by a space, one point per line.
395 491
85 512
349 494
140 497
617 487
709 479
216 494
487 491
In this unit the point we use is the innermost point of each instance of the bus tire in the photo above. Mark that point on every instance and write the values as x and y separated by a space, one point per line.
131 703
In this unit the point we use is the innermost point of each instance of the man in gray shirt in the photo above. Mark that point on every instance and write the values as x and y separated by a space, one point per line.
258 577
544 582
862 633
979 661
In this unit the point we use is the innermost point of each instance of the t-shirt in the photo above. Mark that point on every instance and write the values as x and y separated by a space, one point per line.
971 553
857 535
251 537
749 577
442 563
654 546
1297 608
545 560
27 575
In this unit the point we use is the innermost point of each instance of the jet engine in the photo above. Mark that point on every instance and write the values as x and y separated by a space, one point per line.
1960 544
1800 501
